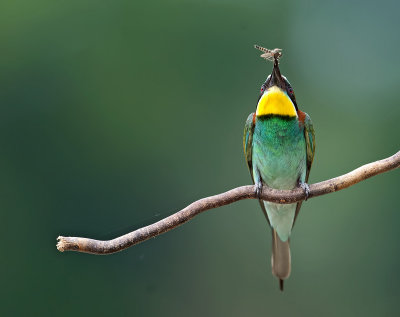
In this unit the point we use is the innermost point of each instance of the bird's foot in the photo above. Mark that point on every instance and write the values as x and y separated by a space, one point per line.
259 188
306 189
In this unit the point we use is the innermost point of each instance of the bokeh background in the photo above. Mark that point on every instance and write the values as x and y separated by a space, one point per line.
115 114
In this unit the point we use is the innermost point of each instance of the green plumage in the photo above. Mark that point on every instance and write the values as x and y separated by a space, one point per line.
279 152
276 153
279 161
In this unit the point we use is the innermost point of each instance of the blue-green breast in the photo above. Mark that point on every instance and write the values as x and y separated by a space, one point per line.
279 158
279 151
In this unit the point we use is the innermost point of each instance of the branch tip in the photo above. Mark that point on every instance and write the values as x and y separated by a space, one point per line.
67 244
60 244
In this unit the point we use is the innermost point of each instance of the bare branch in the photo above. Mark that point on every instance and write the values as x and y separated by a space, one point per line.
231 196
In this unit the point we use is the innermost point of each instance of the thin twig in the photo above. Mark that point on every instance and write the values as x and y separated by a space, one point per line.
231 196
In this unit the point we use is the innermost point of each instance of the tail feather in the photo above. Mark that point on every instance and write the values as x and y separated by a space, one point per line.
280 260
281 285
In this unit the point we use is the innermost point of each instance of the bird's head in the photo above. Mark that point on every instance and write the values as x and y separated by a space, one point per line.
277 96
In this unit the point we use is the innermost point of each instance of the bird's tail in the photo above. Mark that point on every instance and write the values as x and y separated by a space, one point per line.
280 259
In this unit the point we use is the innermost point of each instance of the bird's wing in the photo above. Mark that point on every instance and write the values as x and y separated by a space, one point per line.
310 142
248 150
309 136
248 141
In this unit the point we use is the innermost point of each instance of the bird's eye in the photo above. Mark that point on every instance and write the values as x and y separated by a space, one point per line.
290 90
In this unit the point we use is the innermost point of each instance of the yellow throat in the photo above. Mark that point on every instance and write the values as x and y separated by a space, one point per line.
275 101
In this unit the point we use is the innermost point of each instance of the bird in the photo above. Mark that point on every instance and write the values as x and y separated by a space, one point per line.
279 148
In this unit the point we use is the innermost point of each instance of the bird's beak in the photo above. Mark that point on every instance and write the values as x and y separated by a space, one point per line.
276 77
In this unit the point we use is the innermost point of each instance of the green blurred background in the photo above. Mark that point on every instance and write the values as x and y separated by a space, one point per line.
115 114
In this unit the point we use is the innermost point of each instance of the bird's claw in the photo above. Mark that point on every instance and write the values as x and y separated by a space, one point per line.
306 189
259 187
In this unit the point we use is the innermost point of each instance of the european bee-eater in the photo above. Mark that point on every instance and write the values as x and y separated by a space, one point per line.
279 146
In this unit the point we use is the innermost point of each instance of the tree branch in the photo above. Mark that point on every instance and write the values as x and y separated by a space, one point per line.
244 192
